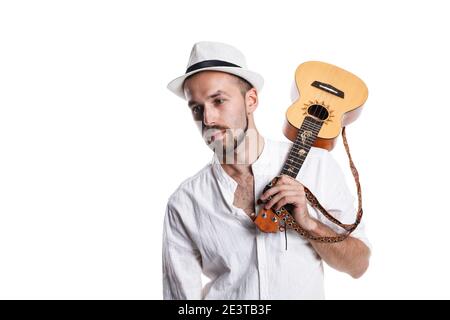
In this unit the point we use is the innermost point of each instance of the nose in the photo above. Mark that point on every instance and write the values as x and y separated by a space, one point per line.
209 115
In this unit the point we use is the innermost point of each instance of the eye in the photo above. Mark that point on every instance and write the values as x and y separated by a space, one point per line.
196 110
219 101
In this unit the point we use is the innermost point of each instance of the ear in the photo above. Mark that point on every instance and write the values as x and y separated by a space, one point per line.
251 100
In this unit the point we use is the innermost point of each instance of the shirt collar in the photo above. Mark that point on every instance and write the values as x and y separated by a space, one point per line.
258 166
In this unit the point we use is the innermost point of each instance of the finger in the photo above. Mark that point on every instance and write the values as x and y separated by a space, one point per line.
274 190
278 197
292 199
285 179
277 189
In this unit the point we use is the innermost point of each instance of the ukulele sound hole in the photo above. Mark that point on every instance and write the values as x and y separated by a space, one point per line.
317 111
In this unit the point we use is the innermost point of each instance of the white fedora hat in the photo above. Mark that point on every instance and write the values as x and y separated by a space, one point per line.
207 55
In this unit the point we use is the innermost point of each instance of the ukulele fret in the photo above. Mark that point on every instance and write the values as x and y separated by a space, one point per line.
306 136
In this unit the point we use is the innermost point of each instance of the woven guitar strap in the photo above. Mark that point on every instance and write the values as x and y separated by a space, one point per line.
290 222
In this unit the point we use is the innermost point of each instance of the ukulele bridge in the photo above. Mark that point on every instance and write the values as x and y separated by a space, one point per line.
328 88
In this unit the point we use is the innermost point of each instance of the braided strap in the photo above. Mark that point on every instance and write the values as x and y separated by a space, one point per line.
290 222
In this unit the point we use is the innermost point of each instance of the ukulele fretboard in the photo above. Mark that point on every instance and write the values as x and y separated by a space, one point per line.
306 136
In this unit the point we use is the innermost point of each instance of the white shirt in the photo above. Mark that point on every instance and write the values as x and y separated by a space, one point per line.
205 232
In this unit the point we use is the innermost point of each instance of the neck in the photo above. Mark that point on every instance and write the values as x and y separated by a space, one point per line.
306 136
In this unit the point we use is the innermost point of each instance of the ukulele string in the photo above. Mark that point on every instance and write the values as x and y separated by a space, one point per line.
319 100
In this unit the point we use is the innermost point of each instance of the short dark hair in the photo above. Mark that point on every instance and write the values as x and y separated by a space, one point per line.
244 85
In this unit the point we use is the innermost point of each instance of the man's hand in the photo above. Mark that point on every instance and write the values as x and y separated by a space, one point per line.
287 190
350 256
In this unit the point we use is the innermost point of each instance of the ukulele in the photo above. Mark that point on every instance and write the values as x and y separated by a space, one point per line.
330 98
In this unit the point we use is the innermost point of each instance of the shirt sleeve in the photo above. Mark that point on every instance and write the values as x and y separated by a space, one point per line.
337 198
181 259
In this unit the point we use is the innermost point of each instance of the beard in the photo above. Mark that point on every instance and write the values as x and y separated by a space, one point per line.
230 140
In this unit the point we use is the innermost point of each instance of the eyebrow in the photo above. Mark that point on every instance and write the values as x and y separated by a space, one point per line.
212 96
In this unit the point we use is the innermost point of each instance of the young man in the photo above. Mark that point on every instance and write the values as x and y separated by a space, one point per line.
209 225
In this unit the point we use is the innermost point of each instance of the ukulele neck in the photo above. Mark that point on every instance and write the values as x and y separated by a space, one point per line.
306 136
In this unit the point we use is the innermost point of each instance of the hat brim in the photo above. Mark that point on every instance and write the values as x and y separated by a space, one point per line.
255 79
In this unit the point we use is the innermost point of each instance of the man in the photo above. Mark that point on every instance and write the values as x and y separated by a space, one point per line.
209 227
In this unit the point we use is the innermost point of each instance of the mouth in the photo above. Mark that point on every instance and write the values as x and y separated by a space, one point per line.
216 135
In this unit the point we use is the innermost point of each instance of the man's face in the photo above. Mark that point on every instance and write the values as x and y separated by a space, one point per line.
218 107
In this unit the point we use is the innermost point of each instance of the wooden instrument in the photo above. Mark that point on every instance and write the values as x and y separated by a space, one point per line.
330 98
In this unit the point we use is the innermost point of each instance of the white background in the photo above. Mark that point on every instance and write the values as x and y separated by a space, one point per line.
92 144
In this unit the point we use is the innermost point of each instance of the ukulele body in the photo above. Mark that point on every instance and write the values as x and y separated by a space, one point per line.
340 92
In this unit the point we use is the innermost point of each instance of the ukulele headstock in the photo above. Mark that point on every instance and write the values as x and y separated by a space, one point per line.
269 220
